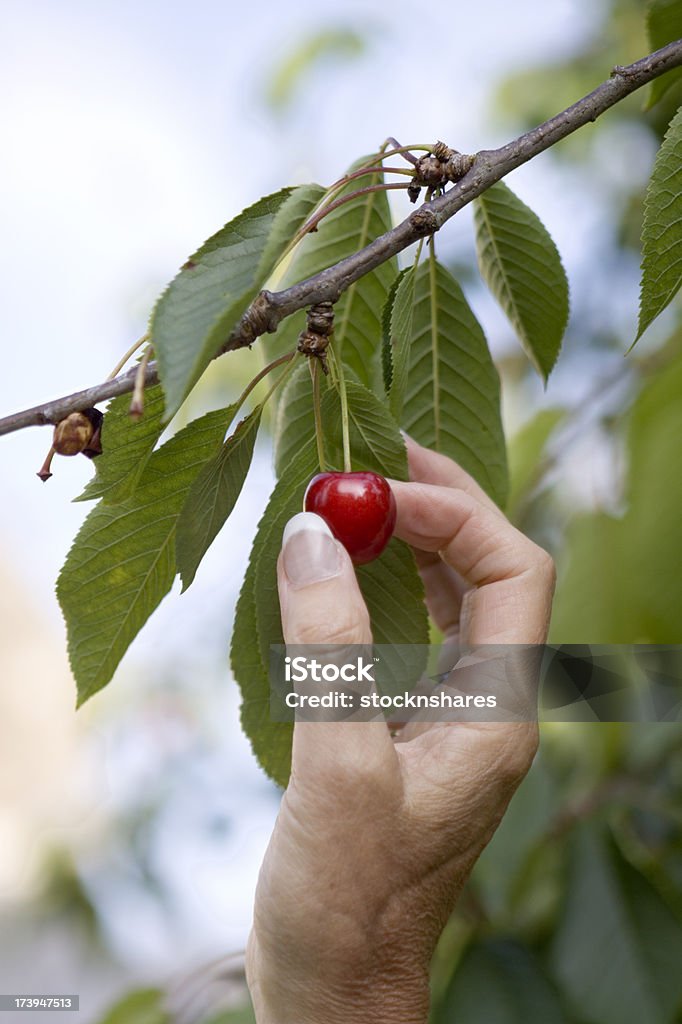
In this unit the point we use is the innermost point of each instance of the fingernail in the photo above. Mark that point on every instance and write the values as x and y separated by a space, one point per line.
309 552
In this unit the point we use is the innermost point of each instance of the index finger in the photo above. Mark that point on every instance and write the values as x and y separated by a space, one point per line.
429 467
513 578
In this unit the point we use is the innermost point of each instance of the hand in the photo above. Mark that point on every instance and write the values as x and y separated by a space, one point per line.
376 835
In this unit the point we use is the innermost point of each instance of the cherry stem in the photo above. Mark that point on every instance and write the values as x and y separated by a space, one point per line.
45 472
288 358
124 359
398 150
319 433
315 220
345 433
136 410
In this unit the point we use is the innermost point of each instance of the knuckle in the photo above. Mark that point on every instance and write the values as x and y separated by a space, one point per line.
346 627
545 565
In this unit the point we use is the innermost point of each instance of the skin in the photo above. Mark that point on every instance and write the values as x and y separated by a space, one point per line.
376 834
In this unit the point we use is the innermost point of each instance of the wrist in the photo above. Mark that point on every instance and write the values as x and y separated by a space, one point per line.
285 990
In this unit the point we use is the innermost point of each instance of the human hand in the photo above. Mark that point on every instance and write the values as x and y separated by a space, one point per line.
376 835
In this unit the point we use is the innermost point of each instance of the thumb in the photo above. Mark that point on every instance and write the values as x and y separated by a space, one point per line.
321 605
319 596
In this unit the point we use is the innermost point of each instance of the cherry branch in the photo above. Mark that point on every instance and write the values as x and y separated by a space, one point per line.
268 309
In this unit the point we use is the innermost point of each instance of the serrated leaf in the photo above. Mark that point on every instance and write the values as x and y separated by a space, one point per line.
664 25
122 562
618 947
499 982
213 495
292 214
259 603
662 229
357 322
452 391
387 357
294 419
521 265
270 741
401 338
126 447
526 451
203 304
375 440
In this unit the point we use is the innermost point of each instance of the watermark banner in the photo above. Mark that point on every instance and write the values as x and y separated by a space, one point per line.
490 683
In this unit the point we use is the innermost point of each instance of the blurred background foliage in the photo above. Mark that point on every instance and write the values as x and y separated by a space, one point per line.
574 912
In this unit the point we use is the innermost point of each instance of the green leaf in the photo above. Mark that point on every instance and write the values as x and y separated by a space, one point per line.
203 304
452 392
257 609
522 833
270 741
664 25
618 947
393 362
213 495
357 322
242 1015
619 583
662 229
126 447
122 562
292 214
521 265
500 982
375 440
294 420
526 451
144 1006
318 48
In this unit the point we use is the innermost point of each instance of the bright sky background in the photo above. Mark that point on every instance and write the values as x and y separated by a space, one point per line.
131 131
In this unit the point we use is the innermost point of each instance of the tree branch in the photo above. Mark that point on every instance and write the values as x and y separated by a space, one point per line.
269 308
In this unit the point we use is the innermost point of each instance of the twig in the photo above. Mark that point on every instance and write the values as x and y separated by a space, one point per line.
269 308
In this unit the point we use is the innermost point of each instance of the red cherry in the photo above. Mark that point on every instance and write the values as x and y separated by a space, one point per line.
359 509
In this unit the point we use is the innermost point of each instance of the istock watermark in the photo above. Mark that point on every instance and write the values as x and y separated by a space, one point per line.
301 669
500 683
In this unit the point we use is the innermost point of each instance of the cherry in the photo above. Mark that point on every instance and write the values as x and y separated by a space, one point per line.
359 509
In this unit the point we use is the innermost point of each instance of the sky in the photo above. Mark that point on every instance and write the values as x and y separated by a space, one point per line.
131 132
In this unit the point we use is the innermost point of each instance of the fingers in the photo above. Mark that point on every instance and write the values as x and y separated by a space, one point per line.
444 587
430 467
513 578
321 605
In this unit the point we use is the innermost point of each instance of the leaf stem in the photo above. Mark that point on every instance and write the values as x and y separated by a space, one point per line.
136 410
321 214
397 150
291 359
263 373
434 342
345 432
124 359
319 433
